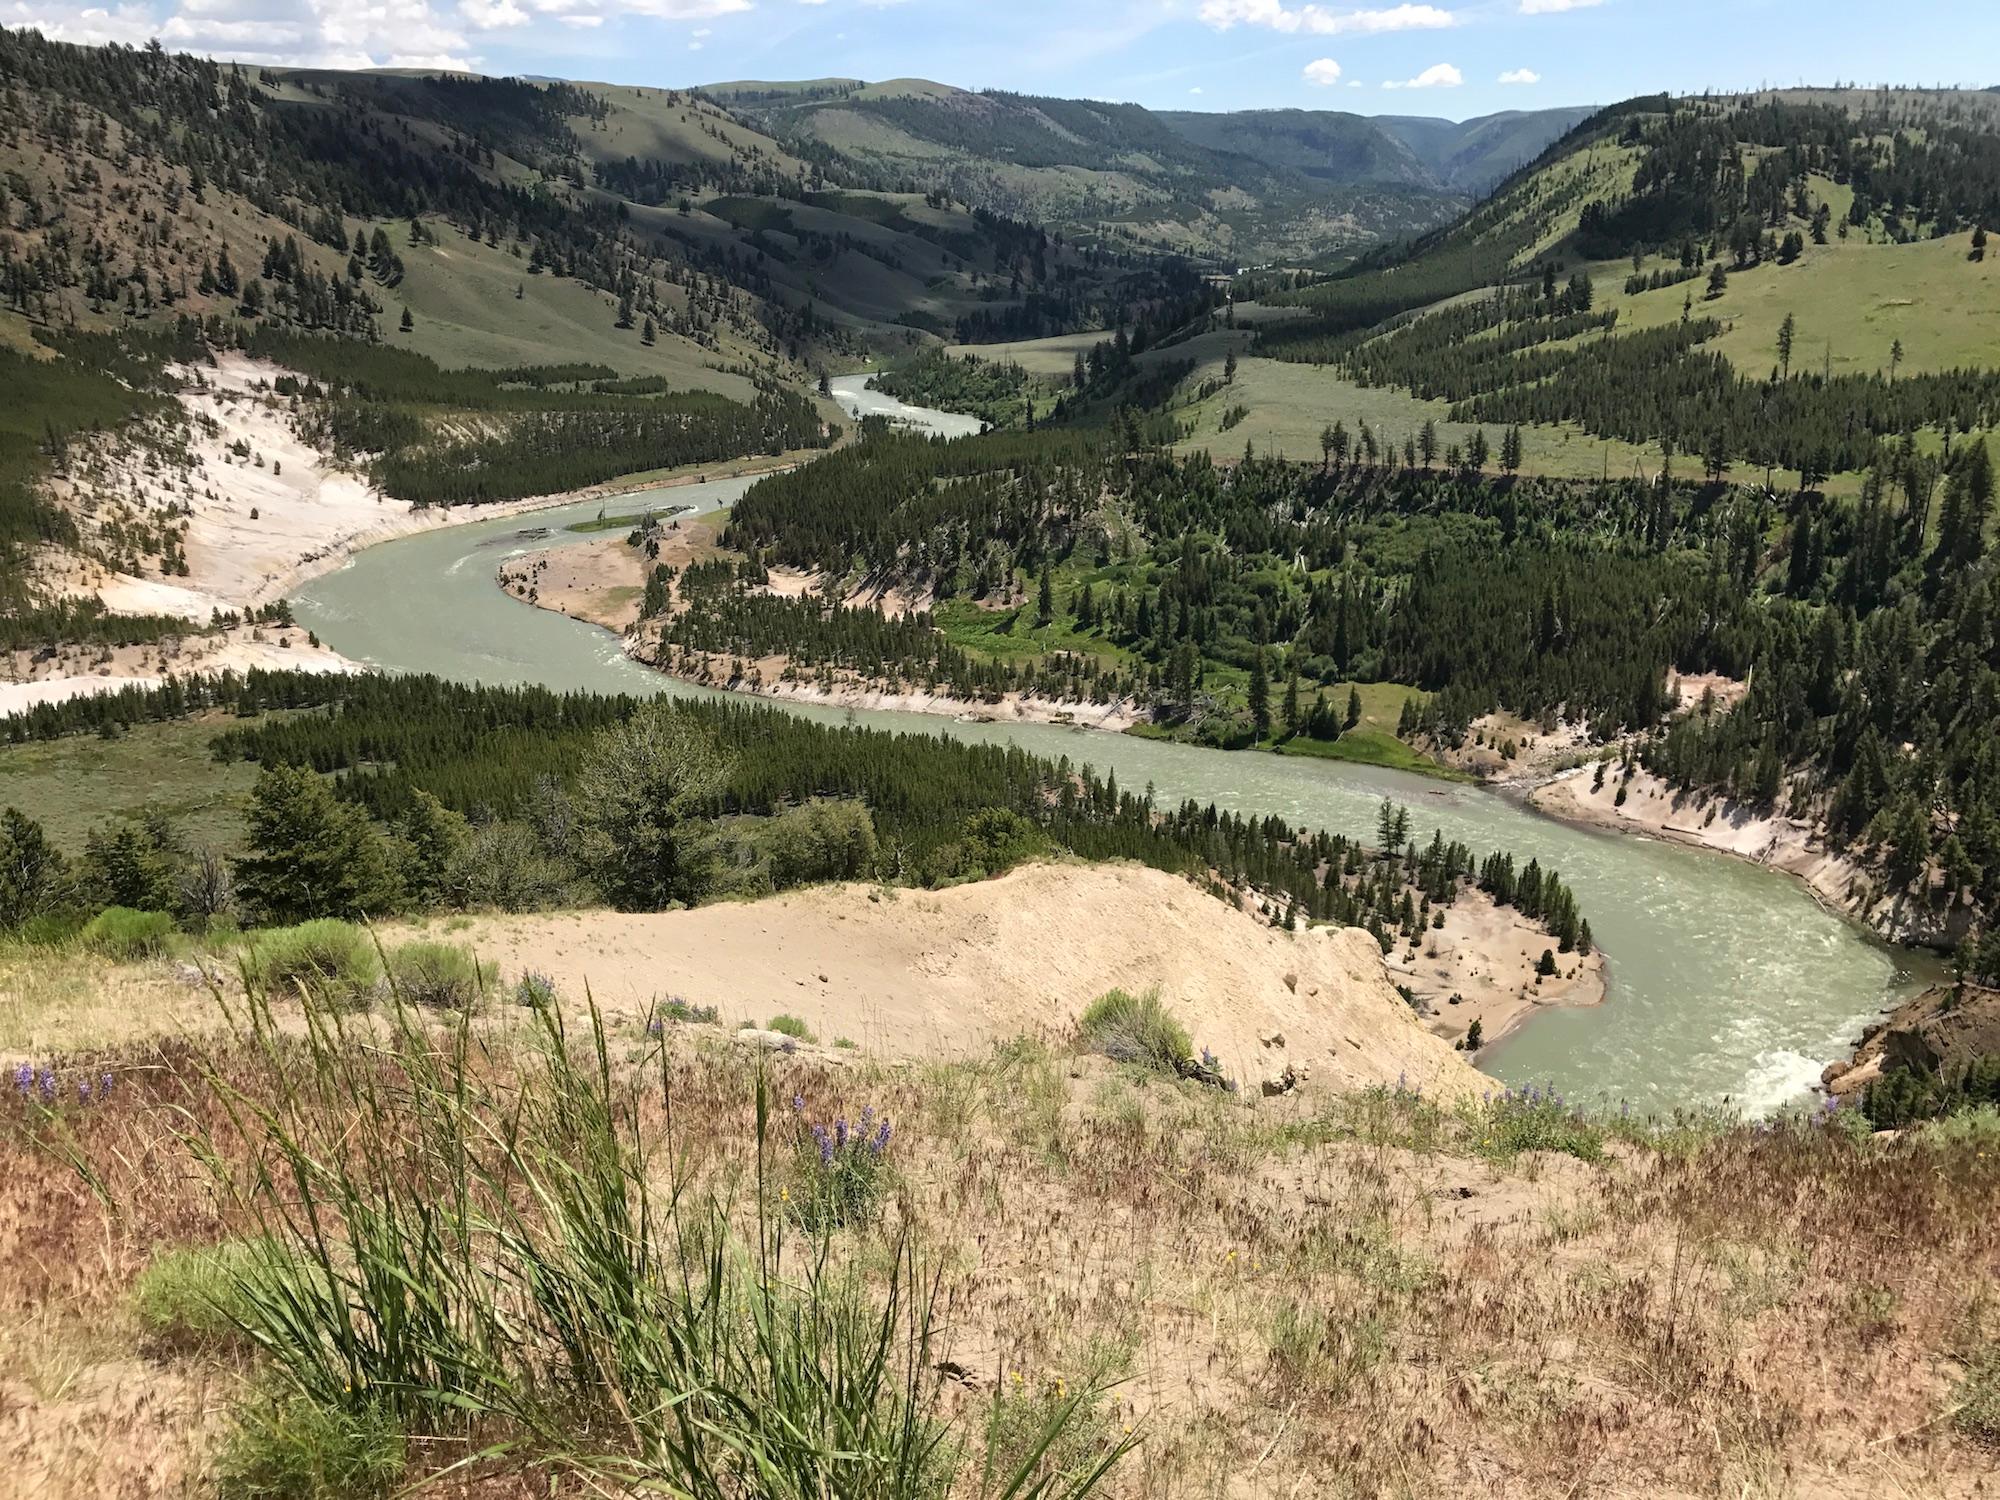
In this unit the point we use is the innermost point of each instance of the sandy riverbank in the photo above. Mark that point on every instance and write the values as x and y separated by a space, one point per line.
1838 881
31 678
603 582
1480 966
258 511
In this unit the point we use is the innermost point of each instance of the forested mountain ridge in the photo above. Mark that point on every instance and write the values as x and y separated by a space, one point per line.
1249 186
1446 156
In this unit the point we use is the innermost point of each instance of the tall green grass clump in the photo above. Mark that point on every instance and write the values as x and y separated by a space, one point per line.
331 958
120 932
502 1257
1136 1029
193 1297
284 1446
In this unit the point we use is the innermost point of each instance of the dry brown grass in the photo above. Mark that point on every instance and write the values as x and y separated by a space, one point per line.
1367 1300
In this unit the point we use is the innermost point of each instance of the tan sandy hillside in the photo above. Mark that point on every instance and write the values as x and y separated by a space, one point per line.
948 973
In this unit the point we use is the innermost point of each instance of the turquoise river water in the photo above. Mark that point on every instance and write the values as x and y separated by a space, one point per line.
1727 980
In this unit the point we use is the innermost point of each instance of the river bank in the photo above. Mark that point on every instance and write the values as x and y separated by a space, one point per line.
259 511
1839 882
1478 968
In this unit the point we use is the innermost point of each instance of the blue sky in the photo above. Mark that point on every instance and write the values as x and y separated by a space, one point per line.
1436 57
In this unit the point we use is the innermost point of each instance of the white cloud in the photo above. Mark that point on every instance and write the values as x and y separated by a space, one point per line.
1554 7
1324 72
335 33
1520 75
1195 90
488 14
1317 20
1436 76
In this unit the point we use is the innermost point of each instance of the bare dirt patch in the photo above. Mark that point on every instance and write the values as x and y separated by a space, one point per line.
947 973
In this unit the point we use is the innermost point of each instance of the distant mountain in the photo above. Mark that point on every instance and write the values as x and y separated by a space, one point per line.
1472 156
1446 157
1328 146
1250 187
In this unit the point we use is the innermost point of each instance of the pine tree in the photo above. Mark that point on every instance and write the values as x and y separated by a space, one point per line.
311 856
34 876
408 322
1260 694
1353 716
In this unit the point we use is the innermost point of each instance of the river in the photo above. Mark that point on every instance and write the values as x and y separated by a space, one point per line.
1726 980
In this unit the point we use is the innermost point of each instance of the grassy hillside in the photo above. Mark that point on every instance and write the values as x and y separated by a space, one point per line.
1634 284
1352 1293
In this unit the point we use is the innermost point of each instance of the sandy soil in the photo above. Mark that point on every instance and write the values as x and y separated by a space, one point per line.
603 583
793 583
30 678
947 973
1481 966
1539 756
1012 708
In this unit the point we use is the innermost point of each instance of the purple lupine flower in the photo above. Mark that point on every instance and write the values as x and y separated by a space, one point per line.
104 1085
24 1078
656 1027
882 1138
1402 1079
49 1084
798 1103
867 1114
840 1132
83 1091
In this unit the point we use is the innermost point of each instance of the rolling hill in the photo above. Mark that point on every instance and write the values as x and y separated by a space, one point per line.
1783 281
1263 185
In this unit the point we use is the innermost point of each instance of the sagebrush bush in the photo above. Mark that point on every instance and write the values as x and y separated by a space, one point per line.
120 932
1538 1119
792 1026
333 958
1136 1029
1978 1414
437 975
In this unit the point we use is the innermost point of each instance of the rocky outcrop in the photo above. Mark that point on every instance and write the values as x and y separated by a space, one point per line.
1942 1032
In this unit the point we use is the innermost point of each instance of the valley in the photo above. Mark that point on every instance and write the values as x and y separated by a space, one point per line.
874 788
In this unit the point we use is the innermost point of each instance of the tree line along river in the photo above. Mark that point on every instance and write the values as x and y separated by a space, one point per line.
1726 980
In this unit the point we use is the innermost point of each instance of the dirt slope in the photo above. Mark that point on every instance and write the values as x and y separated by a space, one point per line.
947 973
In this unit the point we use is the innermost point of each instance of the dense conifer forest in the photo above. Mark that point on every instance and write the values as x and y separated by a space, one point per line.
1169 578
475 791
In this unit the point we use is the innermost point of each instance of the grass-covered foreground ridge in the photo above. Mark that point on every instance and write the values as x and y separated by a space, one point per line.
522 1248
